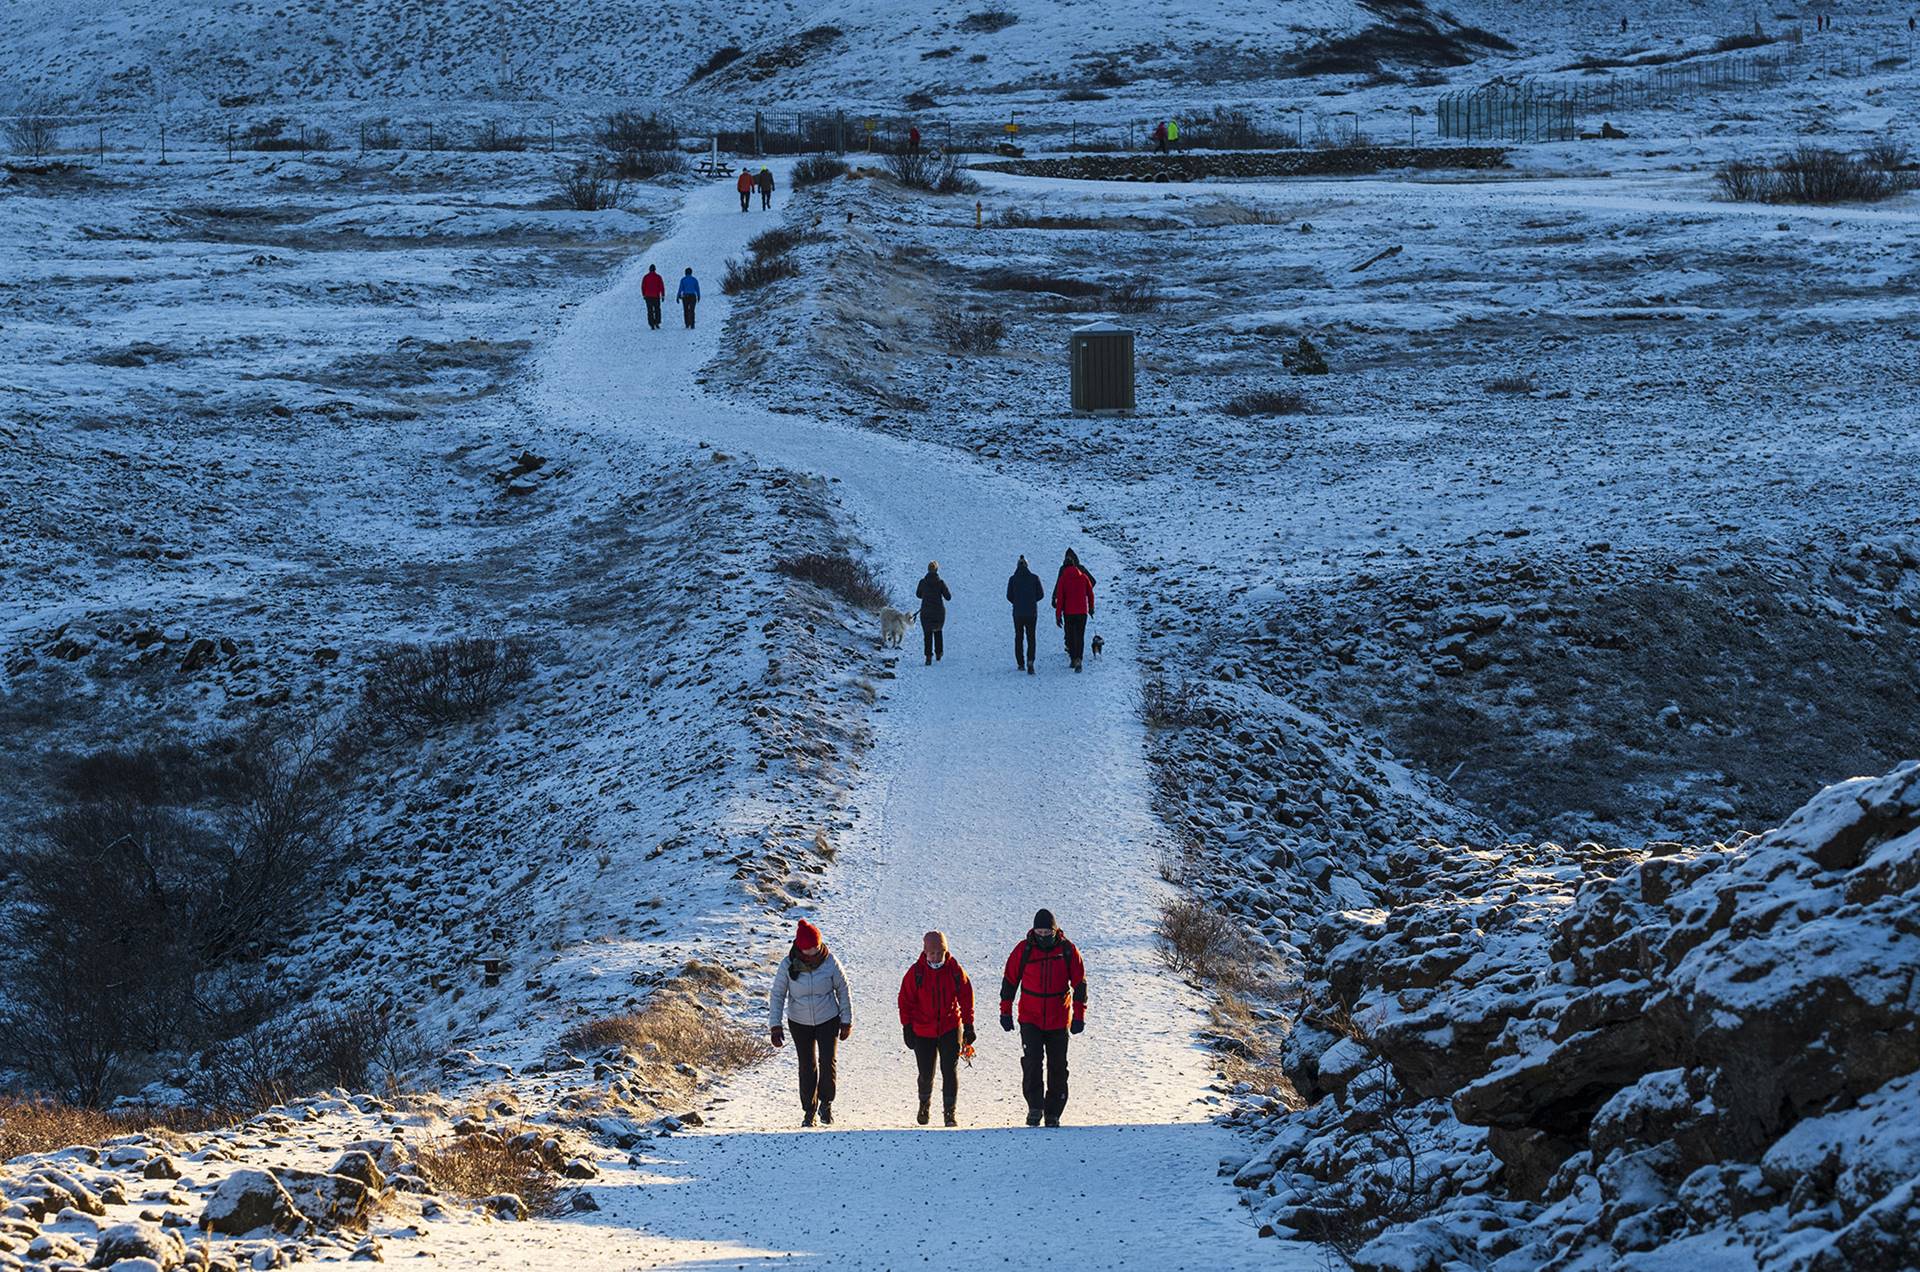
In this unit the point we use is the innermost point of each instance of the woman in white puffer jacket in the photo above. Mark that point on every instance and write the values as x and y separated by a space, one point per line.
810 997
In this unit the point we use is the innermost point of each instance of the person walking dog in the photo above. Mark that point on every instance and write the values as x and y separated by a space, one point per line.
1046 973
810 995
1073 604
936 1018
653 289
1024 590
934 595
689 296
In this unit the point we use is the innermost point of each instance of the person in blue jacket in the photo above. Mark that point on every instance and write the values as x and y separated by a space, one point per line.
689 294
1024 592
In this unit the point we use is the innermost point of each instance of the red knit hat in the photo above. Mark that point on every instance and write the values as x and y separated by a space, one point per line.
807 937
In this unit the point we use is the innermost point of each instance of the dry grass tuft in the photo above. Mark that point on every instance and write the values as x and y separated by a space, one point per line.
476 1167
42 1126
673 1029
1202 942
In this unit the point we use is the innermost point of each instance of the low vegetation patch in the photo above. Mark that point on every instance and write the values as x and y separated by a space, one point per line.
416 688
1198 940
1813 174
721 57
1007 280
45 1126
1135 296
1304 358
756 272
1516 384
593 186
988 20
1276 401
1168 705
935 173
817 170
674 1029
848 578
969 332
492 1163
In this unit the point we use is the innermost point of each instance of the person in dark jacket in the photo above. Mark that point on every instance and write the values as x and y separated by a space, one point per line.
936 1017
764 184
1024 591
1046 973
810 1000
933 596
1073 604
689 295
653 289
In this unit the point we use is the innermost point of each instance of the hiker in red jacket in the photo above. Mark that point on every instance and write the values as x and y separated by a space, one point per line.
653 289
936 1016
1046 972
1073 604
744 184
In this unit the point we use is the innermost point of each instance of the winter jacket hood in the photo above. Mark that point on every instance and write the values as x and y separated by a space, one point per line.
1024 590
935 1000
809 995
1050 981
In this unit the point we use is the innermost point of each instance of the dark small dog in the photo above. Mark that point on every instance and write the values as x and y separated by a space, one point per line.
1099 643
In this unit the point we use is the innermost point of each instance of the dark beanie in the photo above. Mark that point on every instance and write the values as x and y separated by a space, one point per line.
1043 919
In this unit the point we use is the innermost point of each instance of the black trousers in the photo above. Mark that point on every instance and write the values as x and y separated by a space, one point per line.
815 1044
746 199
1043 1066
947 1048
653 312
766 199
686 306
1024 627
1076 635
930 636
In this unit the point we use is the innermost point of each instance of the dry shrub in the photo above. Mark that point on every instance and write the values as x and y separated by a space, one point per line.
926 170
591 187
476 1167
1811 174
1266 402
1136 296
969 333
1011 280
817 170
1253 1053
1200 941
757 272
780 240
416 687
45 1126
673 1029
1511 384
1169 706
850 579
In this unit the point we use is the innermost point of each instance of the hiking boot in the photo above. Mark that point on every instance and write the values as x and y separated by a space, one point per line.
1076 664
1029 669
929 660
826 1113
1033 1117
1020 663
951 1119
921 1116
1053 1119
806 1118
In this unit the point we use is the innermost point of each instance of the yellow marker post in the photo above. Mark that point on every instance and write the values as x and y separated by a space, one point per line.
976 214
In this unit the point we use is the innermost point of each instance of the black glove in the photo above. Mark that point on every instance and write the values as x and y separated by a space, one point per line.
779 1036
967 1035
1006 1021
1079 1026
906 1036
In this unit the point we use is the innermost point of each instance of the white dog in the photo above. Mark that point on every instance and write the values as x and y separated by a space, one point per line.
894 624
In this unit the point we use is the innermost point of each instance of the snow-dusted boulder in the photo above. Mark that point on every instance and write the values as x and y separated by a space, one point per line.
139 1240
248 1200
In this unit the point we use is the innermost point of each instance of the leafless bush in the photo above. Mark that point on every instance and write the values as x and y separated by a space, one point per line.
1811 174
1135 296
846 577
1305 358
416 687
491 1164
32 131
673 1030
1511 384
591 187
630 130
817 170
1267 402
379 135
756 272
1164 705
640 165
780 240
990 19
356 1047
969 332
1888 154
925 170
494 139
1199 940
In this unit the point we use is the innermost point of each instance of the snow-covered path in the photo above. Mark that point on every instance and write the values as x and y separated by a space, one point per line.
989 793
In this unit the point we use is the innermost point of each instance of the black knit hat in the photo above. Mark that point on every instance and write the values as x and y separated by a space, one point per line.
1043 919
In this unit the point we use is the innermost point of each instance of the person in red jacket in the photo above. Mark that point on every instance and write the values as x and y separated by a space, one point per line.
1046 972
1073 604
936 1016
744 184
653 289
